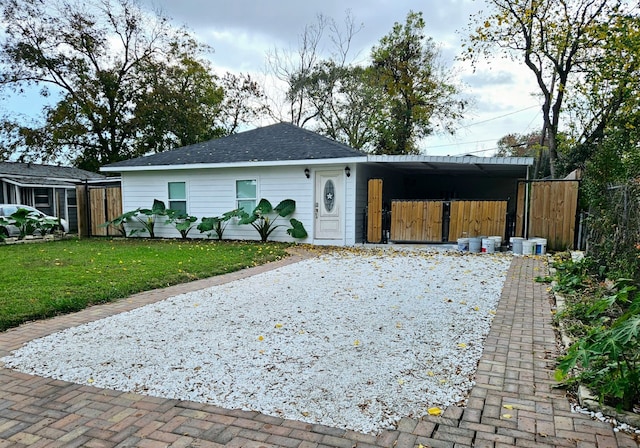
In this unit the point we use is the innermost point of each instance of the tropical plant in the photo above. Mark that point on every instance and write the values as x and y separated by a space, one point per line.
182 221
119 222
217 224
264 224
25 220
603 317
145 216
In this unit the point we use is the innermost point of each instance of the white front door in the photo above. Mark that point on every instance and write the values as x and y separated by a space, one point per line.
329 205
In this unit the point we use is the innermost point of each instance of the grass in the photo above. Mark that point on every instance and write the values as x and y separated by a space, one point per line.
42 280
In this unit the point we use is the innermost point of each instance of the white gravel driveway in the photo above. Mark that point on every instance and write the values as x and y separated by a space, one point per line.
355 339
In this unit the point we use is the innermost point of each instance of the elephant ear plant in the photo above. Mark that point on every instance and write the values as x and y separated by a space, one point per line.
181 221
145 216
263 220
217 224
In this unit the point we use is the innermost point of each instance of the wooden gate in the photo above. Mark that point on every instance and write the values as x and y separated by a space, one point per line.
474 218
374 211
97 205
419 221
549 211
426 221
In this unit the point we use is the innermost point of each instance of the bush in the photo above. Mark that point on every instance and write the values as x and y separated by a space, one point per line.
605 319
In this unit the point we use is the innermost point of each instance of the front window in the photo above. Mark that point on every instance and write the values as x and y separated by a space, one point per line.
178 196
246 195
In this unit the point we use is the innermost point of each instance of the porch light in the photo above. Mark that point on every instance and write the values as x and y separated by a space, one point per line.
307 173
347 171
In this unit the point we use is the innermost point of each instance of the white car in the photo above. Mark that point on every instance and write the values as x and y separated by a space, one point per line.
6 210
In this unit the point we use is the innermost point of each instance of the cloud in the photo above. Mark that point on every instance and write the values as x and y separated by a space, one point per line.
487 78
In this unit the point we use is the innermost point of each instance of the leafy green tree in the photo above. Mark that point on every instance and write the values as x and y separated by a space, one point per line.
345 101
126 82
554 39
417 92
605 117
180 102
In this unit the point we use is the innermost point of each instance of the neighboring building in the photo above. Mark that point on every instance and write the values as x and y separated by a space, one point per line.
49 188
328 180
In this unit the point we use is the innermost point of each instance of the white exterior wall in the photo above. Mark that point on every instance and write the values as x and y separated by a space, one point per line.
212 192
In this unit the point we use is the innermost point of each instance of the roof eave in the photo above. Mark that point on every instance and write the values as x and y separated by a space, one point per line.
471 160
249 164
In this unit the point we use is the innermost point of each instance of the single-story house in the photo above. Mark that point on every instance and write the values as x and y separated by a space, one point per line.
49 188
329 181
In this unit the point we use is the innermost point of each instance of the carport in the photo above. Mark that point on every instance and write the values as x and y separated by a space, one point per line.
440 198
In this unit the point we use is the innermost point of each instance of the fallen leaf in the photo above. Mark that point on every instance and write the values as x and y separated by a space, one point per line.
506 415
434 411
462 345
476 308
508 406
278 325
356 343
430 373
260 338
90 380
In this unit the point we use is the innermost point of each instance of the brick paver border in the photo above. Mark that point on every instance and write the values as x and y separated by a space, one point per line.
514 402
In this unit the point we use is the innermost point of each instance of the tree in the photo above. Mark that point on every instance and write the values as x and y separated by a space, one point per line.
417 91
604 111
179 101
527 145
296 70
553 38
345 102
104 58
244 102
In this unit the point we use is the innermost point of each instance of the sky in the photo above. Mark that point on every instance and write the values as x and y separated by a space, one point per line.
243 32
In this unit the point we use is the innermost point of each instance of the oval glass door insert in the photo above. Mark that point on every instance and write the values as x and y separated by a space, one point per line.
329 195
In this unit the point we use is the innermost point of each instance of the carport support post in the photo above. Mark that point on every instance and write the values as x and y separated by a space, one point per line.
526 205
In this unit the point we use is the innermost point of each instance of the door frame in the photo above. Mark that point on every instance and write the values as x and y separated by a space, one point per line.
341 205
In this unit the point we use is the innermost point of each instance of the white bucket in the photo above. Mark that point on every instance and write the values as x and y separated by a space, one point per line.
516 242
541 246
497 242
529 247
488 245
463 244
475 244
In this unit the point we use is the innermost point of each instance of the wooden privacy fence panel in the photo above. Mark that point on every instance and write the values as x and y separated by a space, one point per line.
475 218
418 221
552 212
374 211
96 205
105 205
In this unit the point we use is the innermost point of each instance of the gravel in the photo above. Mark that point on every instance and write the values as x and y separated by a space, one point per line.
354 339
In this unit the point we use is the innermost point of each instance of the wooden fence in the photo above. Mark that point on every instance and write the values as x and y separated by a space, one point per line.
374 211
96 205
419 221
473 218
549 211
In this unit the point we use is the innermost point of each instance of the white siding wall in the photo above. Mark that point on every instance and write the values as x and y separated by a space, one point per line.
212 192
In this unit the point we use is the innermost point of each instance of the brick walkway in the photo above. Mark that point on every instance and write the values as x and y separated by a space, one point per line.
516 371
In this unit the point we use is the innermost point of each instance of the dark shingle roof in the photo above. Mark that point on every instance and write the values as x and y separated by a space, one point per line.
277 142
35 170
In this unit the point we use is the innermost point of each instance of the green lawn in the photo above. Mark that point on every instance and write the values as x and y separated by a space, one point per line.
41 280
